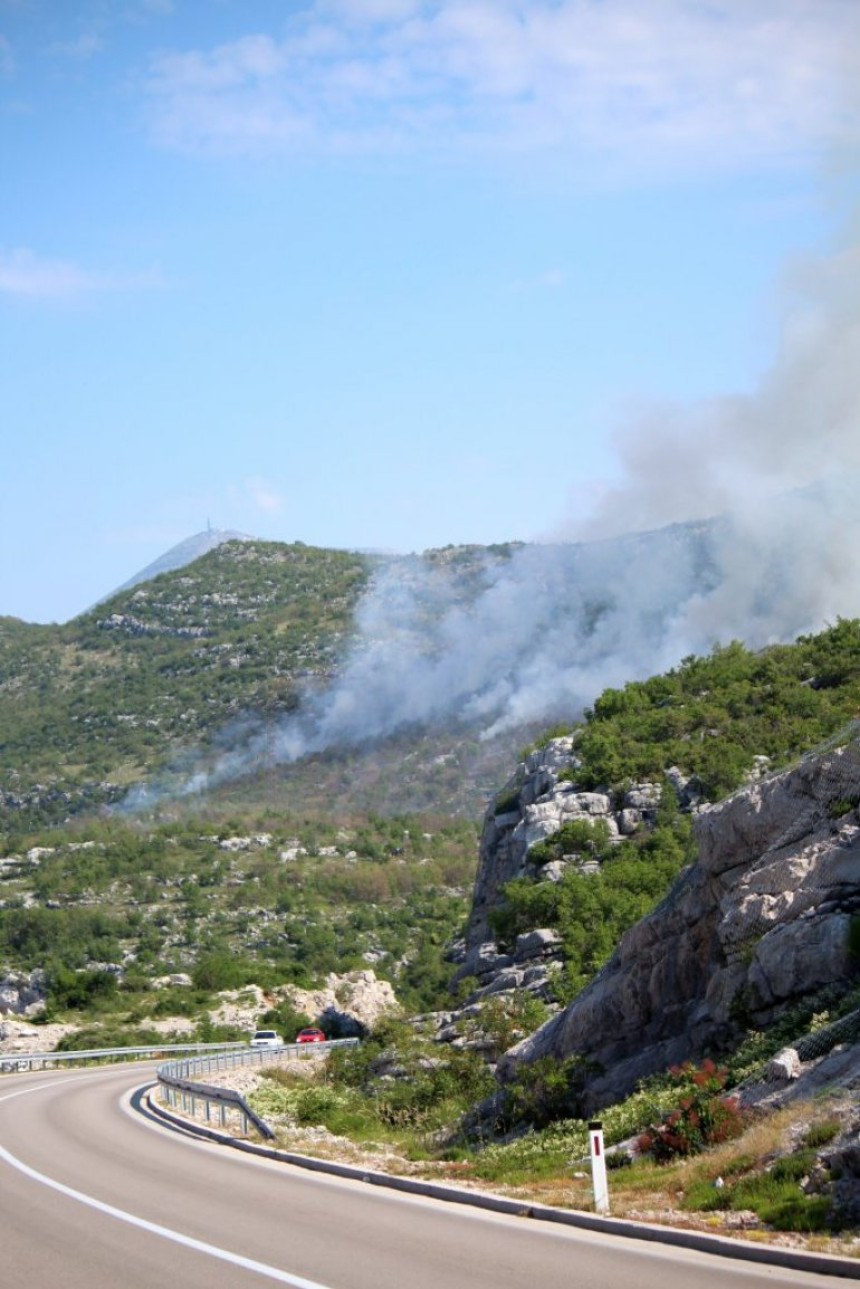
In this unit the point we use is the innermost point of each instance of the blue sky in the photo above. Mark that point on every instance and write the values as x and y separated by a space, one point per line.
393 274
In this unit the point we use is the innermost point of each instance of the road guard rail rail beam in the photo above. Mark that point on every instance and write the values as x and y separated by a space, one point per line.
180 1086
13 1062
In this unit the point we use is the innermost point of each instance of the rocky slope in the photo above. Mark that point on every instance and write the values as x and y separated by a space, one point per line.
765 917
534 804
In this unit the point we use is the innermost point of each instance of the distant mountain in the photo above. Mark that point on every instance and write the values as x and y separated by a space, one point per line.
180 555
230 656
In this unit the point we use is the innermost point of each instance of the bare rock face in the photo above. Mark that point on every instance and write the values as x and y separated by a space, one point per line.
23 994
21 1036
758 922
351 1004
535 803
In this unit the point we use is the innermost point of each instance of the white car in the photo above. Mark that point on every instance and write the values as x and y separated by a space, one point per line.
266 1038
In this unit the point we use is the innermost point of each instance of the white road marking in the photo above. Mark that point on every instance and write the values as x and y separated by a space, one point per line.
165 1232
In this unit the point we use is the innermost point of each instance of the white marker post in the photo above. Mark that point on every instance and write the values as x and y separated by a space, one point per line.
598 1167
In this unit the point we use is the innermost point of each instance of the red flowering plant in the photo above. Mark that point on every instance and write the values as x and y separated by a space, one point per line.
703 1116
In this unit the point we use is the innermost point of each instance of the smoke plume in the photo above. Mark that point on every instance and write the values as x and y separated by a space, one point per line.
737 519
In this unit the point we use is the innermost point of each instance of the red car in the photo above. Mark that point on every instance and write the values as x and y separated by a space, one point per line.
311 1035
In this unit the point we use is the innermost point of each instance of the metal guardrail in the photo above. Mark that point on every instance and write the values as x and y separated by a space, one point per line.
180 1089
13 1062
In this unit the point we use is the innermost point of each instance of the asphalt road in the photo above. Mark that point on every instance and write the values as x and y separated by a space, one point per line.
96 1195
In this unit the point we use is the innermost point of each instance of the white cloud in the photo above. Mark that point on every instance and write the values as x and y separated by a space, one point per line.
638 82
24 273
7 59
84 47
263 496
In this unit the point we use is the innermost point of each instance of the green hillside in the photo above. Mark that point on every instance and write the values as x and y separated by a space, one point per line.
326 884
168 676
266 898
380 838
115 695
712 720
294 872
711 716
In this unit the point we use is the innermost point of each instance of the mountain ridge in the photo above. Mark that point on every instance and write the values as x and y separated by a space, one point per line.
184 552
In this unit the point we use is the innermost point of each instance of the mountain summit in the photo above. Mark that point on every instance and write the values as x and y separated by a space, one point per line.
180 555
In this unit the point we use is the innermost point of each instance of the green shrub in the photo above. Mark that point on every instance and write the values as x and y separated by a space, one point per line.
80 990
545 1090
407 1082
286 1019
821 1134
843 806
505 1020
220 969
586 838
703 1196
702 1117
94 1038
794 1167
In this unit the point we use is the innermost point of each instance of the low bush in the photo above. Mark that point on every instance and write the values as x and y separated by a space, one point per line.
91 991
545 1090
702 1117
821 1133
775 1195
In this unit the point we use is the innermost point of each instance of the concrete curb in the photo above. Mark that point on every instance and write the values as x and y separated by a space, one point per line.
791 1259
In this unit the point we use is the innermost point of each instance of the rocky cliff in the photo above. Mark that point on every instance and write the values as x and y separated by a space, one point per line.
763 919
538 800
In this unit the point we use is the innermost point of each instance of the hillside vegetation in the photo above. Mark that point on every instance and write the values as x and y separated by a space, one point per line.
106 907
712 722
712 716
301 894
114 696
234 890
158 682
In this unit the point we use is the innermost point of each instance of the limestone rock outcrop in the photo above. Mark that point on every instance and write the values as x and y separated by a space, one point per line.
763 918
351 1004
538 800
348 1004
23 993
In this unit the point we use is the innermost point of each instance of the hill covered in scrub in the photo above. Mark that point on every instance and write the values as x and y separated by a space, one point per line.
213 672
286 667
584 839
258 655
620 882
103 908
118 694
646 754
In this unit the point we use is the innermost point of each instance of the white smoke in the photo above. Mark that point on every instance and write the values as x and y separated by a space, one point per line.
730 455
771 479
749 529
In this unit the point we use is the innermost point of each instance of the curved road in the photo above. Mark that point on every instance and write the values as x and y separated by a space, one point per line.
95 1195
